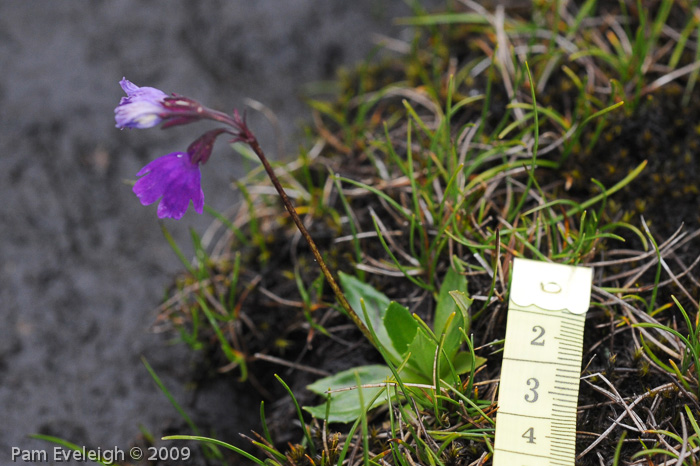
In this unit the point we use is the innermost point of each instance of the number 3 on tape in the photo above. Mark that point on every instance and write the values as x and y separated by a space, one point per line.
538 392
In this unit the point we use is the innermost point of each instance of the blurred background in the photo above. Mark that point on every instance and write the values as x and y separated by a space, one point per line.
83 265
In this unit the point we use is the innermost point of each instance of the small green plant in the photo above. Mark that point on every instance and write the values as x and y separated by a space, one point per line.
688 350
416 355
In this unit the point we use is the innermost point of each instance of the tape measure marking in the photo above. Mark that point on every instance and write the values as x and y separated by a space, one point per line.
538 393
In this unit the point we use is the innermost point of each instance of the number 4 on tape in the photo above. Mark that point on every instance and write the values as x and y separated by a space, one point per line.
538 392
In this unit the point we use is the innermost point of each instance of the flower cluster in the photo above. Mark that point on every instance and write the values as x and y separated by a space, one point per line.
174 178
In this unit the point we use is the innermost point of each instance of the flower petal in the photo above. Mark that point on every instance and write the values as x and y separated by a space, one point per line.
141 108
175 180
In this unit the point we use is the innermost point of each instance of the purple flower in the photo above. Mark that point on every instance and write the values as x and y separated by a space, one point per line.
141 108
176 179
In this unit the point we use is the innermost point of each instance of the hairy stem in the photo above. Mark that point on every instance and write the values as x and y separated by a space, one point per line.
253 143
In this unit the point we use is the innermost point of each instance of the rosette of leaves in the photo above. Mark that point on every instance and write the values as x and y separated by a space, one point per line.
416 355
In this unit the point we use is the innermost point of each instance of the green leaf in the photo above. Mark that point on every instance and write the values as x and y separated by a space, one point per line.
71 446
461 319
463 362
423 346
692 420
453 281
453 337
376 304
345 405
463 303
422 350
212 442
400 326
355 290
373 373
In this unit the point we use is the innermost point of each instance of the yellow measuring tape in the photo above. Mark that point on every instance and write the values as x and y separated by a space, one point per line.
538 392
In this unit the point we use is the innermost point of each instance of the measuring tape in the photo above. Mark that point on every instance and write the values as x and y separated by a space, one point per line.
538 392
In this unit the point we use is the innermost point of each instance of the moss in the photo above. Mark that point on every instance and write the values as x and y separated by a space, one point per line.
667 191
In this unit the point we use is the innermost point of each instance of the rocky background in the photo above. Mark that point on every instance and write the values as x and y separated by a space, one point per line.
82 264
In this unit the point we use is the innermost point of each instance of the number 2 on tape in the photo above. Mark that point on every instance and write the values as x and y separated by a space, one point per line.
538 392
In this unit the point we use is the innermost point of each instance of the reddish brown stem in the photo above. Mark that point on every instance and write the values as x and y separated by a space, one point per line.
253 143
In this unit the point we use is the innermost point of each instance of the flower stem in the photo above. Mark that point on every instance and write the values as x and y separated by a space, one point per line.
253 143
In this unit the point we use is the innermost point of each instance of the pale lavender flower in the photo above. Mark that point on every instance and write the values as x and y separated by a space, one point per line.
174 179
141 108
